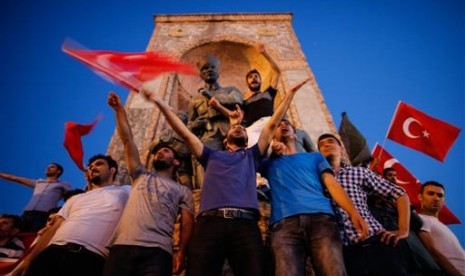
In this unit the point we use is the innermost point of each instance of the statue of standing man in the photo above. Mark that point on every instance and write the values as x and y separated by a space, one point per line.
205 121
209 124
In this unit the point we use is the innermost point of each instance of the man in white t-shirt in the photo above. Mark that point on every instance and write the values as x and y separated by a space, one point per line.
76 241
435 235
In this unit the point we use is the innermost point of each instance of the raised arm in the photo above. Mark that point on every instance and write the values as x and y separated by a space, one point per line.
275 78
124 132
267 133
342 199
192 141
21 180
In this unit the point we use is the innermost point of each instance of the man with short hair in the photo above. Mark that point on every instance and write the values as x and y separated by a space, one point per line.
302 222
227 226
10 245
376 255
47 193
143 242
435 235
76 241
390 174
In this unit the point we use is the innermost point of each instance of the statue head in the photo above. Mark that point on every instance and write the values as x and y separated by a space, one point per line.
208 68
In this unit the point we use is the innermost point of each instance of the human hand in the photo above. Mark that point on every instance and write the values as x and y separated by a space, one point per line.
360 226
19 270
213 102
298 85
279 148
236 116
149 91
261 48
178 262
114 101
393 237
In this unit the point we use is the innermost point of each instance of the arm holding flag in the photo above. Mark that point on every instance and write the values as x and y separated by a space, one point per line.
192 141
124 132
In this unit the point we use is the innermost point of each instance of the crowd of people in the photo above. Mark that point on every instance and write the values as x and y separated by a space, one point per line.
327 217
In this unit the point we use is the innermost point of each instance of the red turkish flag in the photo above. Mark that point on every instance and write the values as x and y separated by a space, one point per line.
72 141
127 69
406 180
417 130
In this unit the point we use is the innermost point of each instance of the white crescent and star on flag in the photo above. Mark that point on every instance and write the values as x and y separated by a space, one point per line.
406 128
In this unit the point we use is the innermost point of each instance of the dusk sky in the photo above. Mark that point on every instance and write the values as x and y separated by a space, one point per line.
365 55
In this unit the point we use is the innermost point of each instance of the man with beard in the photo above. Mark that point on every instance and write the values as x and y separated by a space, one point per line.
75 243
226 225
378 253
143 242
47 193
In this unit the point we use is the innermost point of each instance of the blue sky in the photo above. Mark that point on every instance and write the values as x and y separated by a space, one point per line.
365 55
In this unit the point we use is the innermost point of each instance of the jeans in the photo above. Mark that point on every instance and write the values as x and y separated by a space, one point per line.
216 239
372 257
57 260
316 236
33 221
128 260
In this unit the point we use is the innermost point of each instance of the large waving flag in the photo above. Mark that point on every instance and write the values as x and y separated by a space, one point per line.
127 69
406 180
355 143
417 130
72 141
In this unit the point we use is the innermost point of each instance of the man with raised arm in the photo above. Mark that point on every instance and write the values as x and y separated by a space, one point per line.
47 193
143 242
302 222
227 221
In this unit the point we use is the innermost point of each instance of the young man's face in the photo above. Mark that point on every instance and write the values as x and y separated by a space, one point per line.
284 131
329 147
432 199
164 158
7 228
254 82
391 176
98 172
237 135
52 170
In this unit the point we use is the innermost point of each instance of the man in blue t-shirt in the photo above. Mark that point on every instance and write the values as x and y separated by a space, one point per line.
46 195
302 222
226 225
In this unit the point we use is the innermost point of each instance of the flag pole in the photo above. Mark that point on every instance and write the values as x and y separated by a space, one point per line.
390 125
